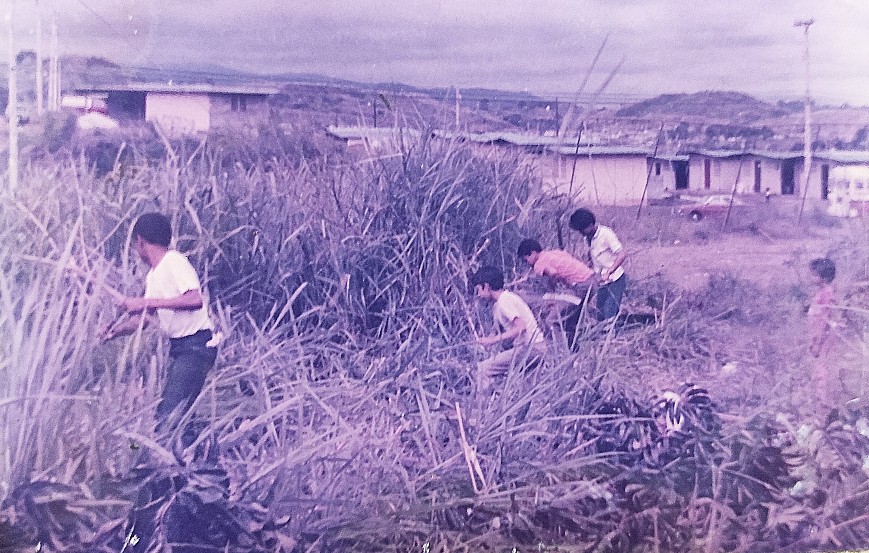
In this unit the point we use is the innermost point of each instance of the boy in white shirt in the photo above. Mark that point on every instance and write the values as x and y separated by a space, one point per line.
607 257
518 327
173 291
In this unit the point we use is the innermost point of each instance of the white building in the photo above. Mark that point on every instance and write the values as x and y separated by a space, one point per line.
185 109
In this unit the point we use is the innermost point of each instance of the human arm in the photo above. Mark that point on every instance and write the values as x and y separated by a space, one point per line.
125 325
515 329
188 301
621 256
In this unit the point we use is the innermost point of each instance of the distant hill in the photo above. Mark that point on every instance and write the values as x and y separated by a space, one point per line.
734 107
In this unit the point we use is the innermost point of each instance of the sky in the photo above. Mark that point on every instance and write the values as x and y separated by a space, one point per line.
545 46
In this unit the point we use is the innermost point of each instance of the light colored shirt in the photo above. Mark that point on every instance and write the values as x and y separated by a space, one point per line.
561 265
604 248
170 278
509 307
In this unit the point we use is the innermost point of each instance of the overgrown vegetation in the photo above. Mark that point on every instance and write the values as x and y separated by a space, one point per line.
341 411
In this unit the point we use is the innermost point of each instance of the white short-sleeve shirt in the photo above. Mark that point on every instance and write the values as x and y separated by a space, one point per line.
508 307
170 278
604 248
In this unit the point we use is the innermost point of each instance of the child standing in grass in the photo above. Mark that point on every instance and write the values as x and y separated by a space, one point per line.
825 371
519 328
562 269
607 257
173 292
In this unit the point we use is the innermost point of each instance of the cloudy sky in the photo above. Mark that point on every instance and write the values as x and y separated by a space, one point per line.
544 46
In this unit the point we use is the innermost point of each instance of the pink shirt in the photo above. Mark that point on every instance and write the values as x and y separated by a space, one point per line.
820 313
561 265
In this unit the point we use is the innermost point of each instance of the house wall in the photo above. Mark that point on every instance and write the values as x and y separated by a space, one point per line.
178 113
770 175
723 174
666 180
598 180
236 110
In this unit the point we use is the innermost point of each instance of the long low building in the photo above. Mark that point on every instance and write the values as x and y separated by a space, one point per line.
612 175
623 175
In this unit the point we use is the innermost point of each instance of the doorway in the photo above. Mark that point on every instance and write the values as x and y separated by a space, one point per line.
787 176
825 181
680 169
757 179
707 174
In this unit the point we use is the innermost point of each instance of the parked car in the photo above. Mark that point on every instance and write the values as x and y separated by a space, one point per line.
711 205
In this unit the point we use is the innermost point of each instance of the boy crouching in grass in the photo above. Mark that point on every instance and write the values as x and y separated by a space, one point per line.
561 269
518 328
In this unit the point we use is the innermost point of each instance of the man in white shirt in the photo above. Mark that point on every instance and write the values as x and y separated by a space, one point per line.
173 291
518 327
607 257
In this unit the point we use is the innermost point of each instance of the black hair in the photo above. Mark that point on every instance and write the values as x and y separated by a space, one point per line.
528 246
487 274
824 268
154 228
581 219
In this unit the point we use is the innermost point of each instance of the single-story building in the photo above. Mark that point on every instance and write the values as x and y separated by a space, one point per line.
375 140
607 175
183 109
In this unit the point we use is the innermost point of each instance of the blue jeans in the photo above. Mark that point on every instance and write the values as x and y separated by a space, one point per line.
609 298
189 362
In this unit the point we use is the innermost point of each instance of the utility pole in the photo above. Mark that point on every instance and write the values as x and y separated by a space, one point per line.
12 111
39 91
458 101
53 72
807 110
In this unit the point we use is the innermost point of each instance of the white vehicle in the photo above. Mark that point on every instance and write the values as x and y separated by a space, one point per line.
849 191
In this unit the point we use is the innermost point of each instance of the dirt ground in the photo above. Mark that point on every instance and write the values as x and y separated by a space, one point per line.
777 262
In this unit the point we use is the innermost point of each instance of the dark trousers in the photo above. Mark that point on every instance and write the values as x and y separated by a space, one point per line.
189 362
609 298
570 317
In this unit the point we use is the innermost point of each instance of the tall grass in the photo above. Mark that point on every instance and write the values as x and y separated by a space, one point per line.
341 403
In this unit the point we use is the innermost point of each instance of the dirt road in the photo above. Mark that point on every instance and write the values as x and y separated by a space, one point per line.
763 261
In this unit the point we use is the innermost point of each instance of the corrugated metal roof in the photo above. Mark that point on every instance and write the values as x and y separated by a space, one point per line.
844 156
517 139
775 155
349 133
717 153
602 151
182 89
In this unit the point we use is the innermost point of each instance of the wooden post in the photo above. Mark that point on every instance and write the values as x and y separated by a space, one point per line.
807 112
649 171
53 72
458 100
39 90
12 111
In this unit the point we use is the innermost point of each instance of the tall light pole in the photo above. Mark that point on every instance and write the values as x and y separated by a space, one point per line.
39 90
12 110
807 110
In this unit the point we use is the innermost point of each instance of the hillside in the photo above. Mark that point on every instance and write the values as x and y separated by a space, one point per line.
710 119
734 107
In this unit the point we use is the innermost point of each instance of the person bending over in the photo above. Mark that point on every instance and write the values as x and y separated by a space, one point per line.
561 269
518 328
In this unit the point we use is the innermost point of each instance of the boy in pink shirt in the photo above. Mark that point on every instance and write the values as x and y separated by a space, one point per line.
562 269
825 371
